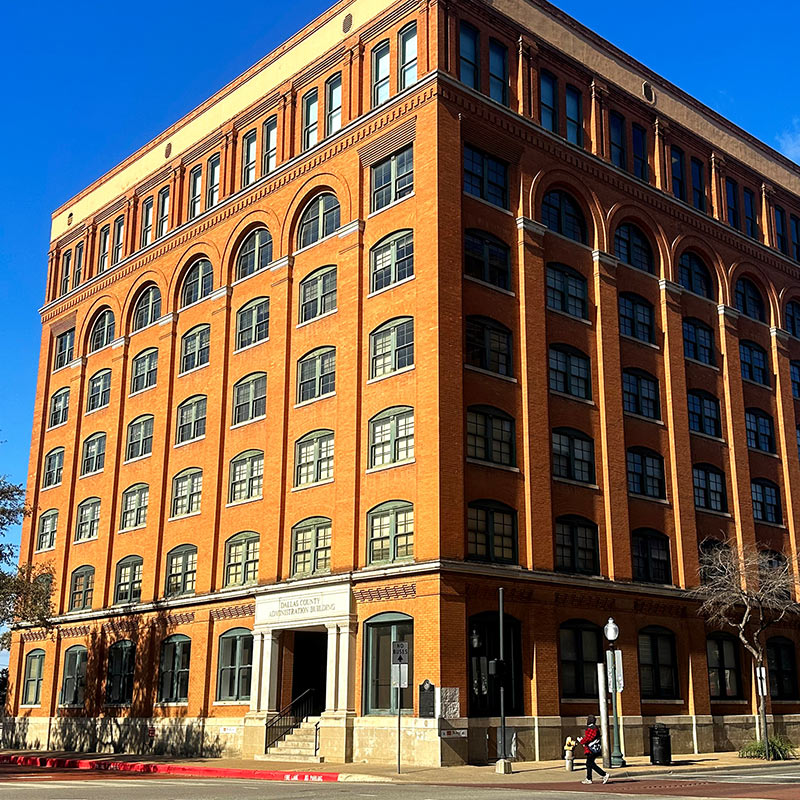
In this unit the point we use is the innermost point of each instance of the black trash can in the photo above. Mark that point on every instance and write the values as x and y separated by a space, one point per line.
660 745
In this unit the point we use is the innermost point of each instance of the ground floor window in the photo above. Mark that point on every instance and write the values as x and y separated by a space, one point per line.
173 684
73 683
380 631
782 669
580 650
34 671
235 665
119 683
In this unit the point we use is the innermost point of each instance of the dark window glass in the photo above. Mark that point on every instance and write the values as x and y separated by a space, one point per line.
469 52
698 341
794 227
548 101
119 681
487 259
498 72
488 345
794 372
782 667
235 665
255 253
573 455
678 173
750 214
754 363
698 185
646 473
694 275
793 318
651 561
570 371
766 501
485 177
490 435
577 548
567 291
749 300
619 151
639 137
636 318
81 589
709 488
574 106
632 247
321 218
580 650
34 675
704 413
658 668
491 532
562 214
173 679
381 632
724 678
760 430
73 683
781 242
732 201
640 394
198 283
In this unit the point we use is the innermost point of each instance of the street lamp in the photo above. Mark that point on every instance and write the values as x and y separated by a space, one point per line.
611 632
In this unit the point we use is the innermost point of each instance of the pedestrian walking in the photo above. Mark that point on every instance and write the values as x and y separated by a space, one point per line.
592 747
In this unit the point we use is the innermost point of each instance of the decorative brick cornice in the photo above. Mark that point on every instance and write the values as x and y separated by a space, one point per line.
75 631
39 635
234 612
180 619
400 591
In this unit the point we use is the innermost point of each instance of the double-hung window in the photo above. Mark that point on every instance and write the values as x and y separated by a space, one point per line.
485 177
617 137
491 532
488 346
651 561
636 318
732 203
121 667
195 348
213 172
102 249
698 185
318 294
99 393
173 670
333 104
310 119
393 178
311 546
781 242
248 158
195 191
392 260
392 347
140 438
250 398
698 342
66 264
380 74
53 467
78 271
48 527
187 491
498 72
753 359
59 408
750 214
678 161
162 220
313 456
234 672
639 139
548 101
487 259
391 532
128 587
573 455
144 370
88 522
246 476
709 488
577 548
760 430
391 437
574 107
490 436
570 371
134 507
704 415
766 501
81 589
567 291
407 68
73 683
316 374
241 559
34 676
270 140
94 454
119 240
469 56
147 222
640 394
252 323
191 419
646 473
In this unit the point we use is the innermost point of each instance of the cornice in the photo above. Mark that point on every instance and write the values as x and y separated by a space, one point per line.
531 226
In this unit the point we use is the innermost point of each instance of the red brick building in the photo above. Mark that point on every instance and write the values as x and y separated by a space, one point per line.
435 298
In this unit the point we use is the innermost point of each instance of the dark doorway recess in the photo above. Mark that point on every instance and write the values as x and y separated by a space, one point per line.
310 667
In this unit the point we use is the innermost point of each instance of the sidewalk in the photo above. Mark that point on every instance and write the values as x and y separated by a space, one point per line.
525 772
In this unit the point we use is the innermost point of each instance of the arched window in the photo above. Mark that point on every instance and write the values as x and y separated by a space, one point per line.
252 323
391 437
198 283
724 672
749 301
48 526
140 437
102 330
321 218
651 561
134 507
316 374
490 435
577 549
181 570
567 291
250 398
191 419
187 489
195 348
147 309
119 681
98 394
73 682
173 678
241 559
766 501
704 415
128 584
491 532
391 532
636 318
658 667
392 260
760 430
247 476
694 275
709 488
573 455
640 394
392 347
255 253
144 370
488 346
754 362
570 371
483 647
782 666
698 341
632 247
88 520
34 674
313 458
487 259
580 650
381 632
311 546
59 408
235 665
792 317
562 214
81 588
646 473
53 467
318 294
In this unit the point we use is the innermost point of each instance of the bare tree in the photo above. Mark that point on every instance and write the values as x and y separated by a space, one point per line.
747 590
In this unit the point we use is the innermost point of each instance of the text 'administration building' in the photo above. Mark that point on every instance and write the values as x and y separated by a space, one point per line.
436 298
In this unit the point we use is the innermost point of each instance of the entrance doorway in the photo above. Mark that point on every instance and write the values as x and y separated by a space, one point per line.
310 667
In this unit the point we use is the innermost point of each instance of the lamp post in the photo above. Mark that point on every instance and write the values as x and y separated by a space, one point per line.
611 632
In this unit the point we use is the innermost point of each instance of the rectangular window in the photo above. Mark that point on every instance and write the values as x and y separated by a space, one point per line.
270 144
781 241
162 224
639 137
485 177
548 101
380 74
498 72
750 214
66 265
794 226
616 132
574 116
119 240
102 259
195 191
333 104
698 185
732 201
249 158
78 271
147 222
212 194
393 178
65 344
678 173
310 119
469 56
408 56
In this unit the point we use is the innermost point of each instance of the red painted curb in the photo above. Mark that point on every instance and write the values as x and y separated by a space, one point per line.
169 769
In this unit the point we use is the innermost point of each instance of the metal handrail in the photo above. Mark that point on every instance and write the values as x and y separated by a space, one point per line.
290 718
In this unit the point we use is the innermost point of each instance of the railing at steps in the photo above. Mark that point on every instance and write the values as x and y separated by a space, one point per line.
290 718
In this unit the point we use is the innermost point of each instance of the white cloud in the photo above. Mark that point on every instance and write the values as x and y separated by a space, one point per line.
789 141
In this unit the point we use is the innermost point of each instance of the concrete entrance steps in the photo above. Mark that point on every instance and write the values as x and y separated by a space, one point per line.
298 746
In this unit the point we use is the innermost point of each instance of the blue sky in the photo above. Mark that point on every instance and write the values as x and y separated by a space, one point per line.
88 84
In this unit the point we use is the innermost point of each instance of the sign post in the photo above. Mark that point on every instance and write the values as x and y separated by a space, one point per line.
400 680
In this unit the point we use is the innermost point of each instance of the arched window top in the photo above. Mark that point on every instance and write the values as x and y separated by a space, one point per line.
236 632
758 412
135 487
694 275
388 617
54 451
61 392
76 648
656 629
650 532
147 308
141 418
493 410
315 434
318 351
196 329
573 433
772 559
749 300
255 252
253 303
390 412
49 513
175 637
102 332
765 482
88 501
198 282
580 624
568 348
320 218
488 503
248 454
697 323
566 269
146 352
84 569
318 273
576 519
183 548
562 214
771 640
706 467
703 393
645 451
252 376
391 323
132 559
391 237
488 322
638 371
100 373
636 298
390 505
242 536
122 644
311 521
35 653
632 247
191 400
188 471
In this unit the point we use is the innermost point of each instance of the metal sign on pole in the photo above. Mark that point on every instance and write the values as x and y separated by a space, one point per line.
400 681
604 731
761 681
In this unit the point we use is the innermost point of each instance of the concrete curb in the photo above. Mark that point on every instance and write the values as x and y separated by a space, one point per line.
677 770
186 770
